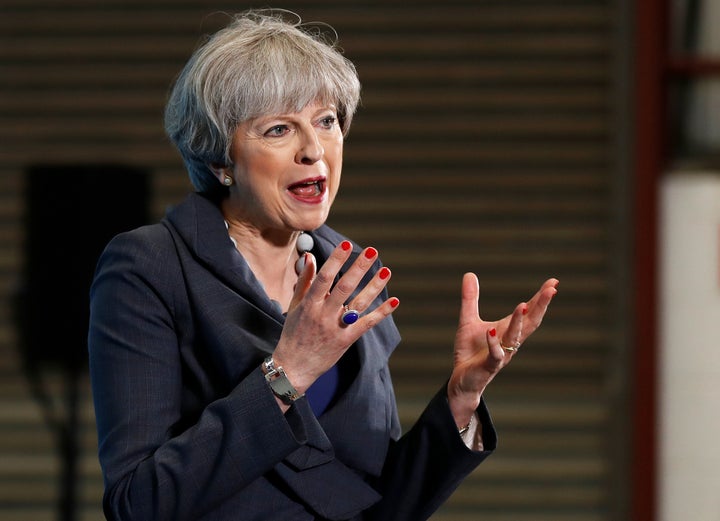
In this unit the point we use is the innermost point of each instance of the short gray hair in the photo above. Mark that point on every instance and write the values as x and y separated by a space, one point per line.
262 63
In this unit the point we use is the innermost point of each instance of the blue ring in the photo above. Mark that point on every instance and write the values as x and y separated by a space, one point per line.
350 317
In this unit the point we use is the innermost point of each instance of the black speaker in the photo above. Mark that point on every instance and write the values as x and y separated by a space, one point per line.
72 211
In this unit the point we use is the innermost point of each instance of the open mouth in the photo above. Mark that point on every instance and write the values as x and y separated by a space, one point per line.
308 189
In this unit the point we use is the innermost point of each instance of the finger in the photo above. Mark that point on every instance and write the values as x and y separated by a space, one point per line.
370 292
326 275
512 336
549 287
496 353
538 305
347 284
304 281
470 293
378 314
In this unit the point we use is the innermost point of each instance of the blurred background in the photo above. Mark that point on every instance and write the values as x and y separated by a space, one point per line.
519 139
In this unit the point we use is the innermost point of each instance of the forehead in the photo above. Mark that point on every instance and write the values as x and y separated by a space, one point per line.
309 111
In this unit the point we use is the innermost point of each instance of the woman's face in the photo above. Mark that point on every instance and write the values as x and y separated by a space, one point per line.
286 169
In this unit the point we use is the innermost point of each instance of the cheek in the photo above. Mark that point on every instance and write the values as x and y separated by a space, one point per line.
253 168
334 178
334 157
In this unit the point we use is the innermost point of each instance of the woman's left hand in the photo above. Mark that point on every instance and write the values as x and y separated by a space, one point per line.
483 348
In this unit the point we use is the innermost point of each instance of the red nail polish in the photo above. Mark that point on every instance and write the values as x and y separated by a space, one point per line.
394 302
345 245
524 310
384 273
370 253
492 332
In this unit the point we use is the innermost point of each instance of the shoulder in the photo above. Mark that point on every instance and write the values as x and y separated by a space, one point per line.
151 242
138 266
146 251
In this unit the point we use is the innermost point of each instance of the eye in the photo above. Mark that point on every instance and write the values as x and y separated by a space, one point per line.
277 131
328 122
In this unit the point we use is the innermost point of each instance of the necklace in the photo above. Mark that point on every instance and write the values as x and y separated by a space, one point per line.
303 244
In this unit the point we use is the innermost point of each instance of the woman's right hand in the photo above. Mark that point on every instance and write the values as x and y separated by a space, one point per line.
314 337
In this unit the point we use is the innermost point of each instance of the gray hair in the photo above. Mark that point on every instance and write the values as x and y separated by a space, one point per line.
260 64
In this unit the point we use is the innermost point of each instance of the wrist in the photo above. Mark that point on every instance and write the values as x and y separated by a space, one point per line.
279 382
462 405
293 368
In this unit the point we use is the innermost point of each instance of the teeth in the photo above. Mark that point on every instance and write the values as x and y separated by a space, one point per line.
309 183
310 188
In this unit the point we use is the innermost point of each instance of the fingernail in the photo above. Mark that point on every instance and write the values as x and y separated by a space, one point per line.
524 310
384 273
492 332
345 245
370 253
302 262
394 302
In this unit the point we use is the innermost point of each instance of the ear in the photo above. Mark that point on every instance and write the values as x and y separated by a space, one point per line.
220 171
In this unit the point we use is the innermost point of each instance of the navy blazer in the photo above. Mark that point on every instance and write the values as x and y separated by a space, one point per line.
189 429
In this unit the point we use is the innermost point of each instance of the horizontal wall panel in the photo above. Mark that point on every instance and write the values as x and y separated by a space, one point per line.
487 140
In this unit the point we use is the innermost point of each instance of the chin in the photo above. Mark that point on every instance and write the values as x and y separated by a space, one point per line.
313 223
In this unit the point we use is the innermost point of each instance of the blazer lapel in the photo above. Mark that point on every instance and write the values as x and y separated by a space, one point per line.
202 227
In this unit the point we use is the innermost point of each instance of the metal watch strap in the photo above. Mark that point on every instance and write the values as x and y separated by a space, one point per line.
279 383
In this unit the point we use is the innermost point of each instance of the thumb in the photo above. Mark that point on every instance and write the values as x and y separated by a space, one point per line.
470 293
305 279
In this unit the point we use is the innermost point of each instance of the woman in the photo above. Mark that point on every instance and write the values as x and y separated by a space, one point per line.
239 349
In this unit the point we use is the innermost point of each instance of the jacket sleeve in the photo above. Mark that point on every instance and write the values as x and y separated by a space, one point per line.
425 466
157 464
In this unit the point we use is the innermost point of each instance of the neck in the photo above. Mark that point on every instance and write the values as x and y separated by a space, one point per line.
271 257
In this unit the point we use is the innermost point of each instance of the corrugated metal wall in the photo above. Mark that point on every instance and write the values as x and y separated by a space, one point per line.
487 141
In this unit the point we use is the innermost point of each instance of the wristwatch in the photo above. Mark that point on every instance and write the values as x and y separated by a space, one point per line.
279 383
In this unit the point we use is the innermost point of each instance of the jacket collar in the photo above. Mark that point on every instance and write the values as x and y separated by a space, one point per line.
201 226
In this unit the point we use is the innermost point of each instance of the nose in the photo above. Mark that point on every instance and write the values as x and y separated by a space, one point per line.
310 150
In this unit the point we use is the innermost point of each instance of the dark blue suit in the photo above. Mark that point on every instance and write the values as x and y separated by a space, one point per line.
189 429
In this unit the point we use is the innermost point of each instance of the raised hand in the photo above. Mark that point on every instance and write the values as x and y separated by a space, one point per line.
482 348
314 336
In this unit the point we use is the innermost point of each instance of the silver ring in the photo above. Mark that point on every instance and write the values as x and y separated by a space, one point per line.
349 316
